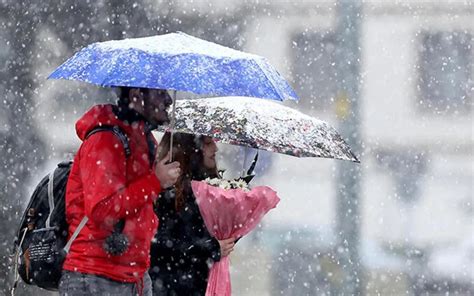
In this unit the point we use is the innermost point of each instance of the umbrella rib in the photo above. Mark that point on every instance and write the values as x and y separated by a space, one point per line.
258 61
173 123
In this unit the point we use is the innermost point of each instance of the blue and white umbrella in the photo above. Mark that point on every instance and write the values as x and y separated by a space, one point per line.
176 61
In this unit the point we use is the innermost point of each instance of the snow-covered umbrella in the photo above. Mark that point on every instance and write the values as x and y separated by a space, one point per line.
179 62
233 212
261 124
176 61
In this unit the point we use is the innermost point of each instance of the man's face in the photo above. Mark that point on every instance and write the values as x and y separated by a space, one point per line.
153 105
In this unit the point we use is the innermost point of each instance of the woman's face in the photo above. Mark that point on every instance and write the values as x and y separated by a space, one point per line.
209 149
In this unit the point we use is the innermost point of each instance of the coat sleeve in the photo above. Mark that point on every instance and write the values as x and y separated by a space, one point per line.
176 236
167 245
107 196
202 244
206 247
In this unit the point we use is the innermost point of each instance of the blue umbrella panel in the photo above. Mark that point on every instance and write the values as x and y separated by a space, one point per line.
179 62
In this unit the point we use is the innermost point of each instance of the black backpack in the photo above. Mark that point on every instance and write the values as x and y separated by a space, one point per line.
41 242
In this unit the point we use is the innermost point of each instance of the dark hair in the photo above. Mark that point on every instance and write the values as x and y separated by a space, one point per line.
187 150
123 95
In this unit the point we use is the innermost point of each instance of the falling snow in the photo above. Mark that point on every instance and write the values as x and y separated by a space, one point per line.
394 79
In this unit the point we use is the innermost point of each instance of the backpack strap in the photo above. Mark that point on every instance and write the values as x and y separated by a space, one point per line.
123 138
16 273
50 197
75 234
126 146
118 132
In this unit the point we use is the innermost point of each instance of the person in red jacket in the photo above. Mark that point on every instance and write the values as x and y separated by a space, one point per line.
111 188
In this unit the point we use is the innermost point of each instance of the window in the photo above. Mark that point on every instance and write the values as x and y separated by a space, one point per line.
445 82
314 68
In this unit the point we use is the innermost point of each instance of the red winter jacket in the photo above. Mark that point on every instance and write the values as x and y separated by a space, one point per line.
106 186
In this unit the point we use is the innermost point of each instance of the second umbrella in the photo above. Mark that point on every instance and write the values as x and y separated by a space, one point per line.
261 124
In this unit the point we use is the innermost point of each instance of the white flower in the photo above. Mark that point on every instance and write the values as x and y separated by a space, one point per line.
228 184
224 184
213 181
241 184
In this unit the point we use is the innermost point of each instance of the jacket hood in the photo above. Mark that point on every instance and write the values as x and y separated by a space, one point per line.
98 115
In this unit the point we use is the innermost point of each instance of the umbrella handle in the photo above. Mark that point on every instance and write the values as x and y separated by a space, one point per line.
245 160
173 122
252 165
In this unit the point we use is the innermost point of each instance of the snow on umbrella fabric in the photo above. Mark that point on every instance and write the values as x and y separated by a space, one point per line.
176 61
230 213
261 124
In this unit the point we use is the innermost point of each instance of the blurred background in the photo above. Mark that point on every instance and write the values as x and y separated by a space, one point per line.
394 77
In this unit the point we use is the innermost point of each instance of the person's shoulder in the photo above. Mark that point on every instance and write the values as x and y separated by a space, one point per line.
105 141
97 116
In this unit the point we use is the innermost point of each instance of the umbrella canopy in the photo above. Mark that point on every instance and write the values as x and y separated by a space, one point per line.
179 62
261 124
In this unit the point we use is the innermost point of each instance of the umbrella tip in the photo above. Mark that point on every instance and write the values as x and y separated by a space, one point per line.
354 158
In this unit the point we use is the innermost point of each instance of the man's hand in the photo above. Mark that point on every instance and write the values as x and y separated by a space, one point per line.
227 246
169 173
